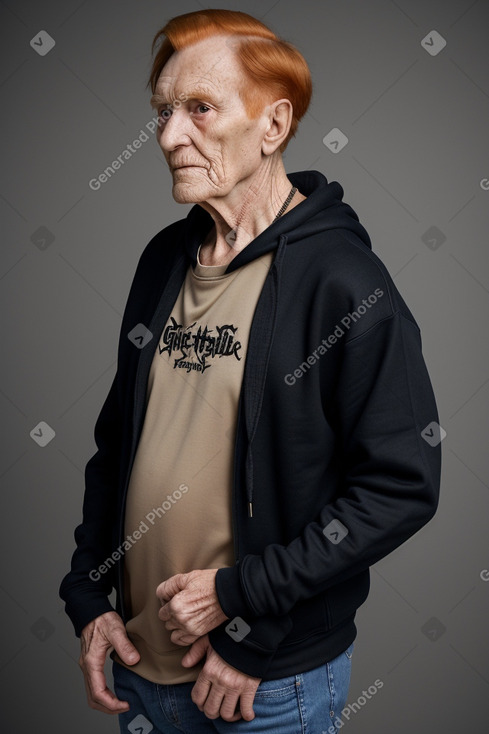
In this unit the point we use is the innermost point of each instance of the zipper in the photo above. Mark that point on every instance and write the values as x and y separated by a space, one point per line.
262 334
236 481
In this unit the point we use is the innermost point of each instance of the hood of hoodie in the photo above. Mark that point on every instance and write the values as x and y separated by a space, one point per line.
323 209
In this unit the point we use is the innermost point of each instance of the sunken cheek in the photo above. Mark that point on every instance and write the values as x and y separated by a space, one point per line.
218 142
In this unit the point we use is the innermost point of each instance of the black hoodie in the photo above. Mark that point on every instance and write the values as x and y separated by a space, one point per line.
336 462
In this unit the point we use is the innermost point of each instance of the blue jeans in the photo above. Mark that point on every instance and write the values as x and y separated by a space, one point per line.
308 702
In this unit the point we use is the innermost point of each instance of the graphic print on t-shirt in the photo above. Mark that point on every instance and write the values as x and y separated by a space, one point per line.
196 344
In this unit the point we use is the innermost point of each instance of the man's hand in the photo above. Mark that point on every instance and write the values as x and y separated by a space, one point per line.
100 635
190 606
220 689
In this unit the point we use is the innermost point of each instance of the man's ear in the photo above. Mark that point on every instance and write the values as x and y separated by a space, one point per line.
279 122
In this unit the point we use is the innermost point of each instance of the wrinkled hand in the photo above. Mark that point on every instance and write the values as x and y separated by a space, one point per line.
220 689
97 638
190 606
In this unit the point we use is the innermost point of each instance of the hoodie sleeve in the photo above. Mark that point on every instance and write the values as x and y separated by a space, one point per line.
84 590
387 429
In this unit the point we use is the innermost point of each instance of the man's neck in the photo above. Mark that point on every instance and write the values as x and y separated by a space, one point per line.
235 228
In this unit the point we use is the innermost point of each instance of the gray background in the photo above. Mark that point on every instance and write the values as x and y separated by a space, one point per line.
417 158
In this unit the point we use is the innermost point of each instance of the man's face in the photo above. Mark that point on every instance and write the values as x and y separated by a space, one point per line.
204 123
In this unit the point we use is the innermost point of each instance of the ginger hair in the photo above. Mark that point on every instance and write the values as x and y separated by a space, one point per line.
272 68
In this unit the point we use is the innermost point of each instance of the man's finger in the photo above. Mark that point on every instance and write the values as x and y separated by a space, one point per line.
167 589
200 690
164 612
246 705
181 638
196 652
228 707
100 696
123 646
214 700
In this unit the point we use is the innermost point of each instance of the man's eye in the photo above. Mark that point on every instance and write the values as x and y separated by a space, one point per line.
165 113
200 106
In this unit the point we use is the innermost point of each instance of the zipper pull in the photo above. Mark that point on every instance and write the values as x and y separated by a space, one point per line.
250 509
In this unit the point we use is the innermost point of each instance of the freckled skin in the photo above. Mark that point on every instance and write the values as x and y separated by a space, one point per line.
237 173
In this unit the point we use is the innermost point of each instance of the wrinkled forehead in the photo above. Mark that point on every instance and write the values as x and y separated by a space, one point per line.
171 88
205 68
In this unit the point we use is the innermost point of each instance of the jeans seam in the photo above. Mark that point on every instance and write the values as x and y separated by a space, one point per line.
299 688
332 692
169 694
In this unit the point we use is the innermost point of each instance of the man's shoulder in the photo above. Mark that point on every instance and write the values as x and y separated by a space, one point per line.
344 272
339 256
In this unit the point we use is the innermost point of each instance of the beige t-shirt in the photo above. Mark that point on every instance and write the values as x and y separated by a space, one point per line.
181 481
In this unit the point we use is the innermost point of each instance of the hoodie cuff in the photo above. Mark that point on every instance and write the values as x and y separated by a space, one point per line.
230 593
250 648
84 611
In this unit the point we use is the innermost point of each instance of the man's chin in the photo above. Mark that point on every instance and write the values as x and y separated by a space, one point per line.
185 193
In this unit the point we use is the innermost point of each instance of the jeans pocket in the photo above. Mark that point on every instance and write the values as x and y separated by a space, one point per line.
349 651
277 687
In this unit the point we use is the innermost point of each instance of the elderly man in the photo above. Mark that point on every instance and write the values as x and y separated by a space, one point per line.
262 443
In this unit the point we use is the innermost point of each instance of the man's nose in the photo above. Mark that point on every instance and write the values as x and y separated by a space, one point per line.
174 130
